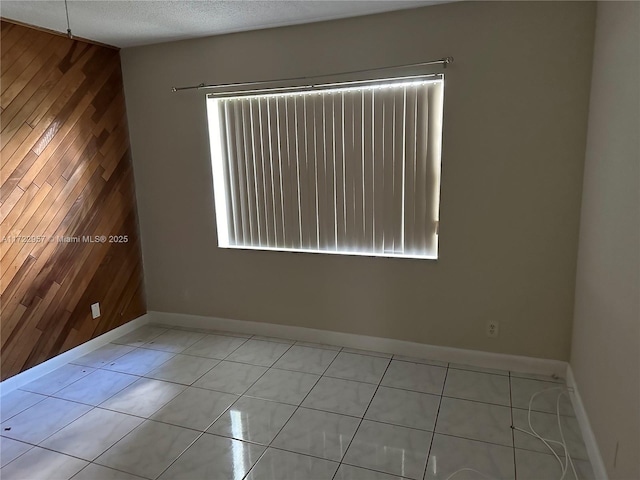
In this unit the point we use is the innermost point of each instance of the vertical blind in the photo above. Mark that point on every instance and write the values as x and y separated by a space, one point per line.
352 170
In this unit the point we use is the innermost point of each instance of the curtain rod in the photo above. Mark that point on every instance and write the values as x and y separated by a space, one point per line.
321 86
442 61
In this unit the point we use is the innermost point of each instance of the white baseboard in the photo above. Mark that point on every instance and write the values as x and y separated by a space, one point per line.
476 358
38 371
599 470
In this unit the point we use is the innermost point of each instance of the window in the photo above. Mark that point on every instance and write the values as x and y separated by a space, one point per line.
348 170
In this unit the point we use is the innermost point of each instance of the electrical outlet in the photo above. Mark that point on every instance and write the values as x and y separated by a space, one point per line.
95 310
493 328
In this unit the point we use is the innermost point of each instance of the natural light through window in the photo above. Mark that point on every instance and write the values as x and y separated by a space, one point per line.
349 170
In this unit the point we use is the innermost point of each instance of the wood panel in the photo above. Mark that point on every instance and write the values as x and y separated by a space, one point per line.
65 179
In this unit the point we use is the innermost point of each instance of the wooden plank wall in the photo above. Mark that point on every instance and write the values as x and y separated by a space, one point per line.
65 172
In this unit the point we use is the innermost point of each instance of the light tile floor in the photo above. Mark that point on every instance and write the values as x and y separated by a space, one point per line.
177 404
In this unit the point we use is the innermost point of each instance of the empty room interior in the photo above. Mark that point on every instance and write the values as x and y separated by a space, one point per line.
320 240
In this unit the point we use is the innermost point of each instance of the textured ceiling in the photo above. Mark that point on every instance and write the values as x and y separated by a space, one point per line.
128 23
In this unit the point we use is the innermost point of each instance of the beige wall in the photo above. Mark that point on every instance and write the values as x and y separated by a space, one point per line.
516 104
605 353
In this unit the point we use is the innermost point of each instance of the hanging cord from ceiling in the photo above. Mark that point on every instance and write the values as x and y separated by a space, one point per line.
66 8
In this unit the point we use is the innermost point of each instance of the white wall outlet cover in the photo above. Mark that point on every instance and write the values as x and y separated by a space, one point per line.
493 328
95 310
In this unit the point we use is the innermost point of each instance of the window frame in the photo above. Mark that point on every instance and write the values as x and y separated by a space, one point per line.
219 154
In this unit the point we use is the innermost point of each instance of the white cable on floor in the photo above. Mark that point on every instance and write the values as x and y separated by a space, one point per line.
564 466
538 436
567 456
